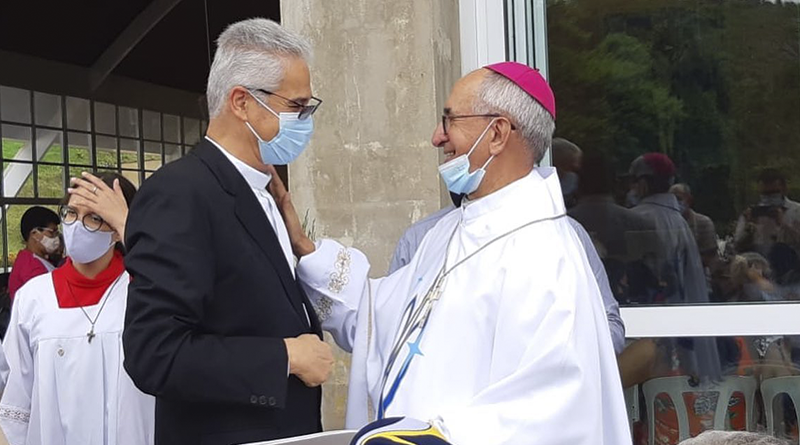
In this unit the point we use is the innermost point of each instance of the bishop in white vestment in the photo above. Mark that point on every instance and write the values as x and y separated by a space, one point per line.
495 332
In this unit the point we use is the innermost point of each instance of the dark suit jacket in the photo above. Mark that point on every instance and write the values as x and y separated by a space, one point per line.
211 299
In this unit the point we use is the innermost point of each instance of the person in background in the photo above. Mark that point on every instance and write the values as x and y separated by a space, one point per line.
39 227
64 343
567 159
702 227
413 236
675 258
606 221
774 219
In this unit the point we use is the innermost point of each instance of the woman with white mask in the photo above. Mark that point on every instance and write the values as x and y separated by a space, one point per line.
64 343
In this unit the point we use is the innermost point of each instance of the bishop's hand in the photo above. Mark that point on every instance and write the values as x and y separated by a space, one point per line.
301 244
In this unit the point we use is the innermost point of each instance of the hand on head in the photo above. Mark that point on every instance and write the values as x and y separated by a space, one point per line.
94 195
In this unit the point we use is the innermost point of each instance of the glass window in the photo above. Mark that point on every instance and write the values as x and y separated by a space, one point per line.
17 144
106 151
105 118
132 176
15 105
129 153
36 165
48 110
128 122
49 146
172 128
4 264
51 181
191 131
152 125
17 180
78 117
171 152
722 119
679 153
152 155
80 149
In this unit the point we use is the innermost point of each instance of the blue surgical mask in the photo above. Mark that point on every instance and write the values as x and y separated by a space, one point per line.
292 138
456 174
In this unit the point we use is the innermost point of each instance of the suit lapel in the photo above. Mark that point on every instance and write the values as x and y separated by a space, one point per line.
252 217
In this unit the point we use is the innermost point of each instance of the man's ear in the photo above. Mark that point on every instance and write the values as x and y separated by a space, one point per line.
237 102
499 133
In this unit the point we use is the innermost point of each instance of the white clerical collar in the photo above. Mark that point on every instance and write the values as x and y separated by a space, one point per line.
256 179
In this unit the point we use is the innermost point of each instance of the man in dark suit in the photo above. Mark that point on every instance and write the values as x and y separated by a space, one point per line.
217 328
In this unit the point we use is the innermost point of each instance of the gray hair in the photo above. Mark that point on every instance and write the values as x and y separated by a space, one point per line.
681 188
733 438
536 126
251 53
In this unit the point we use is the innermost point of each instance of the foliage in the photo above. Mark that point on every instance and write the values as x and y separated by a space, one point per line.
714 84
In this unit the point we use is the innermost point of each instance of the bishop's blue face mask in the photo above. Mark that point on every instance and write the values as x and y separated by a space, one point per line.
292 138
456 174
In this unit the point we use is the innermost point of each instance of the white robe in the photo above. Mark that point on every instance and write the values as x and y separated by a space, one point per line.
63 390
517 349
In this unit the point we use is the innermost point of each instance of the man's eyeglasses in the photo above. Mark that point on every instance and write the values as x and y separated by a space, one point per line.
448 118
306 110
90 221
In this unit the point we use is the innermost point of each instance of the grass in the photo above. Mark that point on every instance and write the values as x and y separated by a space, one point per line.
51 181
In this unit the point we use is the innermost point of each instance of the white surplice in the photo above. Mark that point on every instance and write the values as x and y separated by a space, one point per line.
517 348
63 390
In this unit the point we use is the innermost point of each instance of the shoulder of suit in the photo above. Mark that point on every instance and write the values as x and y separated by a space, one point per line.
188 173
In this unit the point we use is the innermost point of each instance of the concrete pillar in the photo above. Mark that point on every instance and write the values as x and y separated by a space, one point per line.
384 69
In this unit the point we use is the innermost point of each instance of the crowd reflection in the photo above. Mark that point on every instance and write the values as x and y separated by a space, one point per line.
658 248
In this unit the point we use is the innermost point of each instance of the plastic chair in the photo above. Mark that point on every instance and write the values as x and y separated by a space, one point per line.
676 387
632 404
770 388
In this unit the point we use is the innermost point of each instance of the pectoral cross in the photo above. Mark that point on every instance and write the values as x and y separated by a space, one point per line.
90 335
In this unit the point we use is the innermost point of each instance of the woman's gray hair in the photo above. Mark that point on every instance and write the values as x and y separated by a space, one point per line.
251 53
536 126
733 438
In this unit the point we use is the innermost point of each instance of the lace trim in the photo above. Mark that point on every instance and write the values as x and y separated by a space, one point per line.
323 307
16 414
341 276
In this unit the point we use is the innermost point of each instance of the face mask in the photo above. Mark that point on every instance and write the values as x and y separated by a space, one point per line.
456 174
771 200
292 138
682 206
50 244
632 198
569 183
84 246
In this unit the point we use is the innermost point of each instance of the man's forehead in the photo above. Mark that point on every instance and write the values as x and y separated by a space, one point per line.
296 82
464 91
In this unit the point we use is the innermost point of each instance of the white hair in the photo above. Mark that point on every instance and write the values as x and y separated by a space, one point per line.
536 126
251 53
733 438
681 188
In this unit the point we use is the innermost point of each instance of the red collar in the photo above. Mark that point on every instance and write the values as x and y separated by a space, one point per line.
75 290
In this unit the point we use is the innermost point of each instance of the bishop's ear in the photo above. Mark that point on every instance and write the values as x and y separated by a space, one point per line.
499 135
